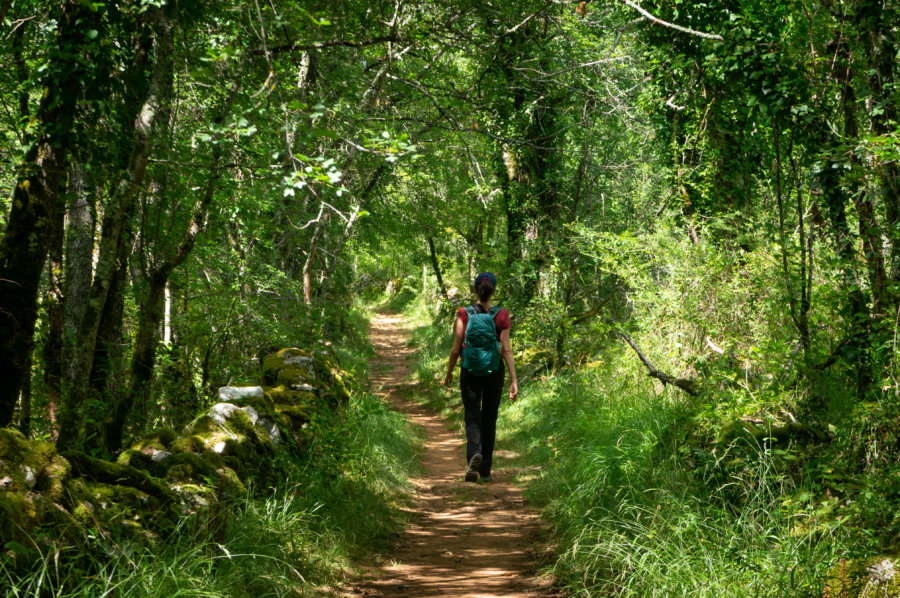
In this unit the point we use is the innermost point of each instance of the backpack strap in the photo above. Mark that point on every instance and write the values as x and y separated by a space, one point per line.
470 309
494 311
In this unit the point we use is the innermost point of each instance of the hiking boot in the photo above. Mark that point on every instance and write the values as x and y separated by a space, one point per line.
486 478
472 469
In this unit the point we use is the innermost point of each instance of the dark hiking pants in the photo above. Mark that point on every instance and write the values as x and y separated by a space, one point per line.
481 399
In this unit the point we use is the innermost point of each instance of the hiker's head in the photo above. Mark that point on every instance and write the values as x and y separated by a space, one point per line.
485 283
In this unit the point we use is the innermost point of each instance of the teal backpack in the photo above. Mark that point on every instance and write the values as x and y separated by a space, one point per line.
481 356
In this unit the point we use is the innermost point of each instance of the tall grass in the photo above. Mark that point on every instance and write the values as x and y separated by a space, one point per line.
639 509
340 506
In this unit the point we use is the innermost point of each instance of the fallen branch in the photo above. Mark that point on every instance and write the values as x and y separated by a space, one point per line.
688 386
835 354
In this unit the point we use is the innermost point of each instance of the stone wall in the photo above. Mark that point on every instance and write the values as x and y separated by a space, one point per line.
168 477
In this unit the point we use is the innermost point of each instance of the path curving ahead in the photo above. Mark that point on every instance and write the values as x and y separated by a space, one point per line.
465 540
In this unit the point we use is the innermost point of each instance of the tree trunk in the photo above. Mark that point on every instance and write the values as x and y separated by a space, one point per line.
24 246
834 197
151 311
508 175
109 351
142 361
76 387
569 292
25 405
79 251
798 315
876 23
53 344
437 269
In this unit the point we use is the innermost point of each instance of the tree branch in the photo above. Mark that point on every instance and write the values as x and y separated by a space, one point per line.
658 21
593 311
329 44
688 386
835 354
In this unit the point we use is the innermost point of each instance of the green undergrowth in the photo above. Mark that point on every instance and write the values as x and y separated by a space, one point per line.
646 496
640 508
332 512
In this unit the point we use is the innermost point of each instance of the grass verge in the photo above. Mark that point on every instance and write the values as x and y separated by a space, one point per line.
332 512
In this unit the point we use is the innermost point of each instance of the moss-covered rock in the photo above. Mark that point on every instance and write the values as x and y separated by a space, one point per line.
282 395
17 512
160 440
52 478
242 422
299 415
209 469
203 426
32 482
167 476
22 460
191 443
137 459
289 366
101 471
263 404
314 379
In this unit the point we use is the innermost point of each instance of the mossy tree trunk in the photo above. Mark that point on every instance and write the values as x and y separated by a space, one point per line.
25 242
54 301
876 23
79 246
109 347
528 165
143 359
78 371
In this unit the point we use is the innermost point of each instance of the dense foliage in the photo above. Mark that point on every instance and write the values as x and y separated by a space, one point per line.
712 185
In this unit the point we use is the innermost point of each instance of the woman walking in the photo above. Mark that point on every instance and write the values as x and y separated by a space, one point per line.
481 336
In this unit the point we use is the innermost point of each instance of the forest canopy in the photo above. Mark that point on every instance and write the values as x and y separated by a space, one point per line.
709 189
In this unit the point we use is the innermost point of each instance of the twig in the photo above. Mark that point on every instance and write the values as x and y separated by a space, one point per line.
671 103
659 21
18 23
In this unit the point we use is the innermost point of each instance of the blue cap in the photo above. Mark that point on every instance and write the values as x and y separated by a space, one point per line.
488 277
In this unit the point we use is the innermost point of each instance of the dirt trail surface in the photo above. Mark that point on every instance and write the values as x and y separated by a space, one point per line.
465 540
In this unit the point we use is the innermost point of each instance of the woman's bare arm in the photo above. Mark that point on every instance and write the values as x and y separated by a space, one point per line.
507 355
458 336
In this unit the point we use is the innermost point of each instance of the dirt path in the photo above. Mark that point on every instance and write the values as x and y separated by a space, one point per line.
464 540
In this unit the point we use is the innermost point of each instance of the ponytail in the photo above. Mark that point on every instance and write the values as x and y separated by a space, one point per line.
484 290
